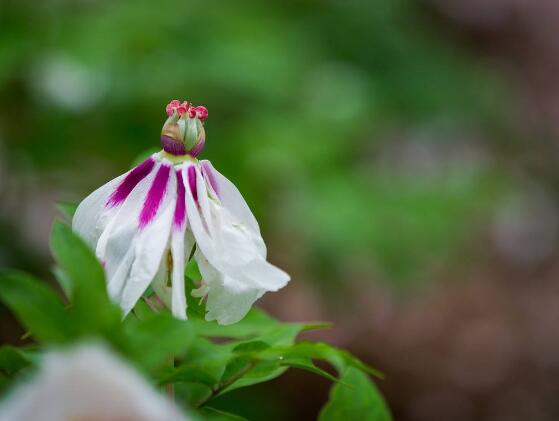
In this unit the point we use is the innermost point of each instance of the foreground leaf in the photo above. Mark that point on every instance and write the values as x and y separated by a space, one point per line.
152 341
83 278
37 307
355 398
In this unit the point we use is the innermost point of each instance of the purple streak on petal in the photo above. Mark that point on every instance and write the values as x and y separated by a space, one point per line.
195 151
174 147
180 207
192 182
210 176
155 195
130 181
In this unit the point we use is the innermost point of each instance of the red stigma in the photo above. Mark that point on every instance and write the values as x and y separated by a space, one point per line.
171 106
200 112
183 108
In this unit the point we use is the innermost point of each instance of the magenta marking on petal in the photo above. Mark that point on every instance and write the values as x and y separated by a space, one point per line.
195 151
180 207
130 181
192 182
210 176
172 146
155 195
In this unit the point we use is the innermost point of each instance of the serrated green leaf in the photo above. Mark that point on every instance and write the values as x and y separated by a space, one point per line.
355 398
307 365
339 358
37 307
256 325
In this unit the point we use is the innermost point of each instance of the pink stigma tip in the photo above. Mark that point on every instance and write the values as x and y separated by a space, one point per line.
200 112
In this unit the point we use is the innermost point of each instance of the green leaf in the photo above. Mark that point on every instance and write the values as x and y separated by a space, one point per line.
152 341
36 306
308 365
355 398
339 358
192 272
83 278
250 348
262 371
196 308
256 325
214 414
12 360
204 363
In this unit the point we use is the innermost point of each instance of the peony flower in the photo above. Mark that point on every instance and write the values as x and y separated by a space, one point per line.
148 223
87 383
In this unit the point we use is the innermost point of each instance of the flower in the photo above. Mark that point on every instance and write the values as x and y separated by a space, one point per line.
148 223
86 383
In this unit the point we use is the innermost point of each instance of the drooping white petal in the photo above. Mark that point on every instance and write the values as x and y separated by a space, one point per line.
168 283
181 247
150 244
229 300
115 245
133 253
86 383
243 274
92 214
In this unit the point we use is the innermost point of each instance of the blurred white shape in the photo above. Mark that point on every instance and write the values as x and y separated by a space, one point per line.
67 83
87 383
525 229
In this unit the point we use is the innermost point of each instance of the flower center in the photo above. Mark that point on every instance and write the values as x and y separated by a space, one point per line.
183 133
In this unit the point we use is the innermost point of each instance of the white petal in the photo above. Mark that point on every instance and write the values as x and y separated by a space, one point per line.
228 299
115 245
243 274
150 244
231 249
86 383
181 247
133 256
92 214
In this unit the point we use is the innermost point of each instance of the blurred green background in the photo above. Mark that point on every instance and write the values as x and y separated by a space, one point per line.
400 156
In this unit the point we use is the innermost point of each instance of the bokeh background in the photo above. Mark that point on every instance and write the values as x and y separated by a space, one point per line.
400 155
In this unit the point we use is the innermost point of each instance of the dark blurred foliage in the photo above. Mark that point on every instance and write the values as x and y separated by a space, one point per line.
399 155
